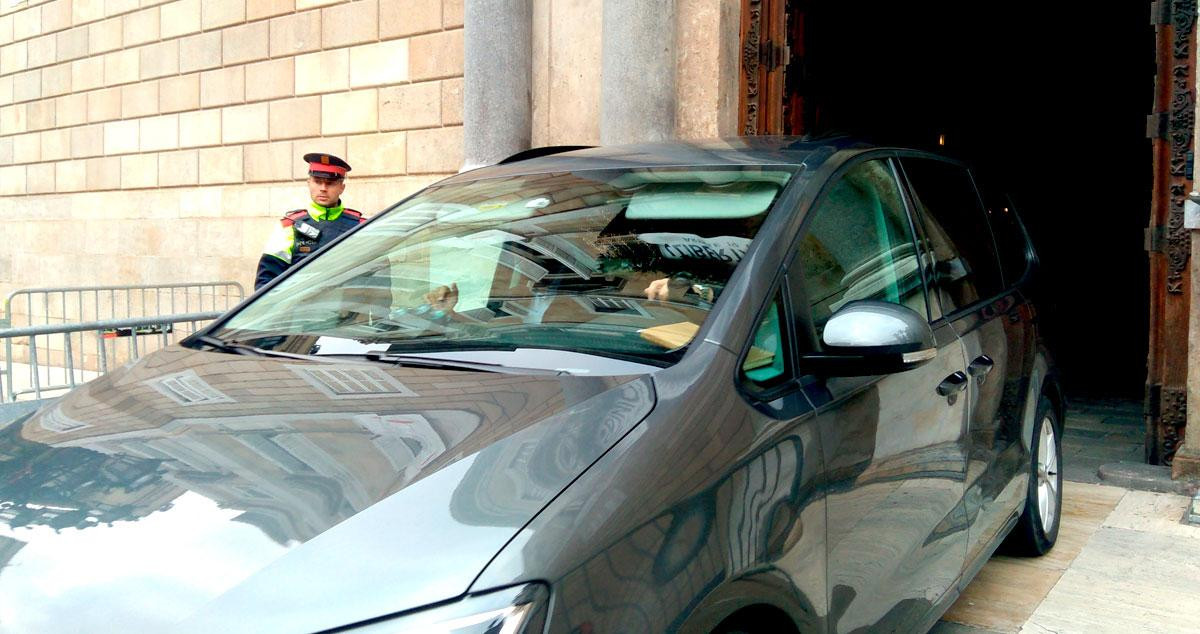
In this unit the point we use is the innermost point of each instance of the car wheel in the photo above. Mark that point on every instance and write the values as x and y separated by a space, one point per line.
757 621
1037 529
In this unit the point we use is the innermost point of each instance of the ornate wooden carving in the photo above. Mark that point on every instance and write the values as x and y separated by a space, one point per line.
1183 118
751 60
1181 127
1175 99
1183 18
1171 422
1179 242
764 58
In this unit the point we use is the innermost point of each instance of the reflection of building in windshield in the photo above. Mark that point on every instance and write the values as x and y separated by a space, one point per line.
498 259
445 210
576 253
578 222
297 448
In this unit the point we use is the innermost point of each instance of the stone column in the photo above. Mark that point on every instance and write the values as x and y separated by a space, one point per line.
497 79
1187 457
637 85
708 49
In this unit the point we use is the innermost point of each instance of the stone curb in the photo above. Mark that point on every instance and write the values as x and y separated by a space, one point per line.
1146 477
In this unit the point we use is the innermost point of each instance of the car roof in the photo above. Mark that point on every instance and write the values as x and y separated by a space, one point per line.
749 150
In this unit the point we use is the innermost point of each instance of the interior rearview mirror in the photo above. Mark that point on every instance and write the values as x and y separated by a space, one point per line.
869 337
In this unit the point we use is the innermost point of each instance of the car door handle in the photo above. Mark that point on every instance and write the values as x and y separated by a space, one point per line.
953 384
980 367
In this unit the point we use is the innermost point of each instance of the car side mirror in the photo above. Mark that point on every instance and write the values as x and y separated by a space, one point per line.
868 337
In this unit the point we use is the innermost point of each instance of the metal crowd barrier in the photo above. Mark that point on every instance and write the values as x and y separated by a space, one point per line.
96 318
159 327
77 304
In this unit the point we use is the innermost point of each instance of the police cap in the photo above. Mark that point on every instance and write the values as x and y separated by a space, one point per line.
326 166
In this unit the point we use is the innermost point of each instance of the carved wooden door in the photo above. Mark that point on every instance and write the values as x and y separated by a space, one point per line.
1171 127
765 56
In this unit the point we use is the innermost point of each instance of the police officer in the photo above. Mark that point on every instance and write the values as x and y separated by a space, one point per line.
303 231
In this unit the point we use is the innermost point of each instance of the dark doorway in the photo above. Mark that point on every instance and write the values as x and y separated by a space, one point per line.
1049 98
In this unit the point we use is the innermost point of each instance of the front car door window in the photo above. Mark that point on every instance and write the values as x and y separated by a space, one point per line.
859 245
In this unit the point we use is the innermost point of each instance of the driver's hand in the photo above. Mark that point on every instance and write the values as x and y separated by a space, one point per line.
443 297
659 289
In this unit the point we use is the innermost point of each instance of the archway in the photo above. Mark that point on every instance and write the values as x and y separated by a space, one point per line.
1050 98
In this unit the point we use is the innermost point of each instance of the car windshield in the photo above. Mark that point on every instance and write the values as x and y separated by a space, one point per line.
623 264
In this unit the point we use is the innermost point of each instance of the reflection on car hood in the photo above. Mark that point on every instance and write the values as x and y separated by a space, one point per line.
216 492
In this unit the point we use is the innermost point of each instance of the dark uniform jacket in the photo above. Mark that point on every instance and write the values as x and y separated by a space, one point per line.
293 240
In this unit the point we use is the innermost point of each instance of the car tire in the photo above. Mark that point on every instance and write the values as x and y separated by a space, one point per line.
756 621
1037 529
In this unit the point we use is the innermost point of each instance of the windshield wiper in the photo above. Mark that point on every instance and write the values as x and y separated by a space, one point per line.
236 347
227 346
414 360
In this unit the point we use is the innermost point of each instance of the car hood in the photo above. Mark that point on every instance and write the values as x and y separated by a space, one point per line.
205 491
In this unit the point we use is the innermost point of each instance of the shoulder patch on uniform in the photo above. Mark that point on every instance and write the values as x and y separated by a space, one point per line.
291 217
355 214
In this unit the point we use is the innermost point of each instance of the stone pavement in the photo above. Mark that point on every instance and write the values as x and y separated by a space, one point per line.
1099 433
1124 561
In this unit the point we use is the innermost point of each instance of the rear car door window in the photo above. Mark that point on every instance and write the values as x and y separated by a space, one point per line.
966 269
859 244
1011 244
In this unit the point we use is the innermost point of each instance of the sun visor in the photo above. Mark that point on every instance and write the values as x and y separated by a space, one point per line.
684 201
713 177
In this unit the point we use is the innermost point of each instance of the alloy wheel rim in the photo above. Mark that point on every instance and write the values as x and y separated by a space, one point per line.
1047 475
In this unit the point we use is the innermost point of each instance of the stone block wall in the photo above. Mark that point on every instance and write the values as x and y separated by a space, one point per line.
151 141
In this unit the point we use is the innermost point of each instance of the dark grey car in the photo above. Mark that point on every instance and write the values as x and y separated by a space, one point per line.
750 385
